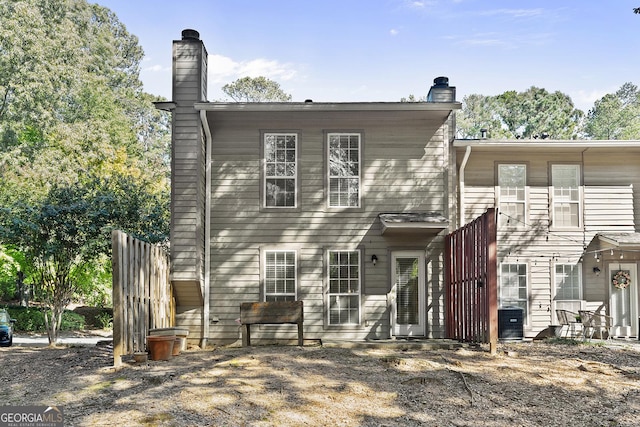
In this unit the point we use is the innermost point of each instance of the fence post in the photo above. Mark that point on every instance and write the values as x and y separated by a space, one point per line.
118 324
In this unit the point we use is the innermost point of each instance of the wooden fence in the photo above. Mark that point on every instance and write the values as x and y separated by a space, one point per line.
142 294
471 282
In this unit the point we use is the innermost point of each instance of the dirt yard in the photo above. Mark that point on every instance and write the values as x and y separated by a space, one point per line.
526 384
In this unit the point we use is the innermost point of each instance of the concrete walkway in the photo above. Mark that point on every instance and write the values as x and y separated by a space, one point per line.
66 338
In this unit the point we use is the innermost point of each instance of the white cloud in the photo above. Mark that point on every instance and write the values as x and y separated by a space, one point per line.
584 99
514 13
223 69
157 68
394 32
420 4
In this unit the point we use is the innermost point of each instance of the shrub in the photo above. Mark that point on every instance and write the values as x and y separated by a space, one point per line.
30 319
27 319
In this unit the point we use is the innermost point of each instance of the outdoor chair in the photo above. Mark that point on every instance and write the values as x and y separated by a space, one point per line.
592 322
567 319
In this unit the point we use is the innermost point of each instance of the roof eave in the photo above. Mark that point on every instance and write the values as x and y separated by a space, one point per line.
328 106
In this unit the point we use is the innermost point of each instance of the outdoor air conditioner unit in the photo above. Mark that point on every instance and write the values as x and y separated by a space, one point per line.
511 323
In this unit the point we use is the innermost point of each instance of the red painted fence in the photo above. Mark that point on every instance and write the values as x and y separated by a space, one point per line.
471 282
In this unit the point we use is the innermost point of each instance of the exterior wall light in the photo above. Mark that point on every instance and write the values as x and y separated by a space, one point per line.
596 270
374 259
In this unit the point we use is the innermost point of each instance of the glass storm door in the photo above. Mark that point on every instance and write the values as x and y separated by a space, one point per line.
408 293
624 302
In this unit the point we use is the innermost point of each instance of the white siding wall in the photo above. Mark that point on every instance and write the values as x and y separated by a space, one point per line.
610 205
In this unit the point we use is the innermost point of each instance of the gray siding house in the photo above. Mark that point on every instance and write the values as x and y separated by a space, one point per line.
345 206
341 205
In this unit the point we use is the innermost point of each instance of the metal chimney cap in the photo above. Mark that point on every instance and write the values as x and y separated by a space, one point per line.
189 34
441 81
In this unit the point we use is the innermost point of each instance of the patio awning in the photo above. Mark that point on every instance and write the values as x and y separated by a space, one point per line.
429 223
620 240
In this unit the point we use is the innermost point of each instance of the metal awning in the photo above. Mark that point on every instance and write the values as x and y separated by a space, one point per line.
431 222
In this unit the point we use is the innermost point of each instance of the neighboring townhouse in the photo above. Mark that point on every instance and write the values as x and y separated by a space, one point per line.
341 205
568 222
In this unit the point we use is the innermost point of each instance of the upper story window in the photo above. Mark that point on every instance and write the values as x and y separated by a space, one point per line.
280 275
344 170
512 182
280 169
565 181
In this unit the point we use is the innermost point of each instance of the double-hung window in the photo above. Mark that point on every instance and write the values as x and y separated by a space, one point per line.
344 287
280 275
344 170
512 181
513 287
280 170
565 180
568 289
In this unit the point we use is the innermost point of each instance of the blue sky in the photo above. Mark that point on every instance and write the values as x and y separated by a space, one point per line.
383 50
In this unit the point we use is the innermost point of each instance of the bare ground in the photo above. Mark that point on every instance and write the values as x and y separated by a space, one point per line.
525 384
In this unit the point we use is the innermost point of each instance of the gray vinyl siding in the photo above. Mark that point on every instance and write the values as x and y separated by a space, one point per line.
610 204
188 186
403 169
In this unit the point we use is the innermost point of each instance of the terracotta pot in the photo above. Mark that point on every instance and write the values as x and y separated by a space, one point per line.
178 332
160 346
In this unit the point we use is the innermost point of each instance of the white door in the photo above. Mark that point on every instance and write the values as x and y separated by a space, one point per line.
624 301
408 308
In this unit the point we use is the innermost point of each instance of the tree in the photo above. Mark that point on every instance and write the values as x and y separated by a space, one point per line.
479 112
538 113
636 10
534 113
78 138
412 98
66 233
258 89
615 116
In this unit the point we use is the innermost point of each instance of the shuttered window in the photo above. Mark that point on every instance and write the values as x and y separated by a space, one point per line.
344 287
281 171
280 271
565 180
344 170
512 181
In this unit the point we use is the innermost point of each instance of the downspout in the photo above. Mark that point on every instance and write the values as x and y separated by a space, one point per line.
462 206
207 230
584 229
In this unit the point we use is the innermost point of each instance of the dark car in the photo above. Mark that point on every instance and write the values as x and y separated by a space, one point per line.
6 328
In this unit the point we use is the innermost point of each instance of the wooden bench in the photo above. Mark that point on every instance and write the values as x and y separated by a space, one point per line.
273 312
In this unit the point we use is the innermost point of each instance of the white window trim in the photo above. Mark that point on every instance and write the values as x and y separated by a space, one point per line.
264 273
555 299
329 176
579 202
501 303
500 199
330 294
266 177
